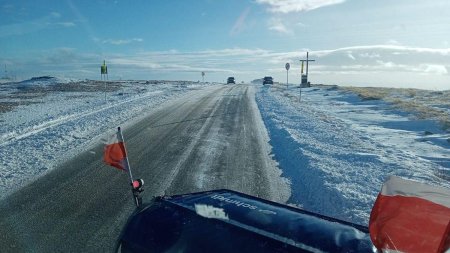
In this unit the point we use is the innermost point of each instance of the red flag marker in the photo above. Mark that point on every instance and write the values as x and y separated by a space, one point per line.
410 216
115 153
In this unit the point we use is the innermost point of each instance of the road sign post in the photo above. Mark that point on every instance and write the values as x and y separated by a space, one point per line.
288 66
104 75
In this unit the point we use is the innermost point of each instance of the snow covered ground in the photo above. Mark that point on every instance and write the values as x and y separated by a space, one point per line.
48 120
337 149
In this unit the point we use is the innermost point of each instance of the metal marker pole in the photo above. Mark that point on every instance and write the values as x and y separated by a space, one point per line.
288 66
300 98
287 79
127 164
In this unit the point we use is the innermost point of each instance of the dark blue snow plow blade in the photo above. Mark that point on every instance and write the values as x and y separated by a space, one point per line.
229 221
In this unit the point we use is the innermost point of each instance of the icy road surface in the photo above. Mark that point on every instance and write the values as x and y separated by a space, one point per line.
206 139
337 149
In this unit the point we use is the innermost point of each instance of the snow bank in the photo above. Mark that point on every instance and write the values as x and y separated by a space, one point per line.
337 149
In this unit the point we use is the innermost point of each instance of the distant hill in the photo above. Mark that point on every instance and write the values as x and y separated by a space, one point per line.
43 81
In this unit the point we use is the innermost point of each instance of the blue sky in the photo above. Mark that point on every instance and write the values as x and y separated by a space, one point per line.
398 43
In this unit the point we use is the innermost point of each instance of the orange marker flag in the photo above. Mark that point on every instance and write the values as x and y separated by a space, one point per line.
115 153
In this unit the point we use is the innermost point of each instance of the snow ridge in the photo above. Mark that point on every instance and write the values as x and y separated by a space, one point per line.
337 151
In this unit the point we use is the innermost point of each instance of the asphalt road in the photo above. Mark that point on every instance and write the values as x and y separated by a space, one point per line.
209 139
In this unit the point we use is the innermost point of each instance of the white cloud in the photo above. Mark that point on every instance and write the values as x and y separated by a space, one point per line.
434 69
286 6
369 55
7 7
393 42
231 52
211 61
394 48
349 54
62 55
55 14
275 24
29 26
388 65
240 23
140 63
32 26
120 41
66 24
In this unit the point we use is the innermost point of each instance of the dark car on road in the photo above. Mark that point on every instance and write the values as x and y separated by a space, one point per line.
230 80
267 80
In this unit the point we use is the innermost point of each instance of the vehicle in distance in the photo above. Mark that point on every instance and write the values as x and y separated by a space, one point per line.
267 80
230 80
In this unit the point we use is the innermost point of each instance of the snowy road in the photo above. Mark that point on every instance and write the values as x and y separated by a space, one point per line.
211 138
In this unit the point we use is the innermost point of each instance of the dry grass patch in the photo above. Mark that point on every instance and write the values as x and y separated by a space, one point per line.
369 93
421 103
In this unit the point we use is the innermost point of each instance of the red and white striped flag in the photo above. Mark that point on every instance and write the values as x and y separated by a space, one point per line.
410 216
115 153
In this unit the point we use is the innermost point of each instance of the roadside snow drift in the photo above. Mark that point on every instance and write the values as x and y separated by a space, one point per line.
337 149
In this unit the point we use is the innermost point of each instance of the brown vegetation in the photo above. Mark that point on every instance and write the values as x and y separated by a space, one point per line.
423 104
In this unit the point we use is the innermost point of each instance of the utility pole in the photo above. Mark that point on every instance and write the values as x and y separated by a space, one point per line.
104 75
305 77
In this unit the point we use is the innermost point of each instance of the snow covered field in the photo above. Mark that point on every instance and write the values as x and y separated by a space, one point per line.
337 148
48 120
